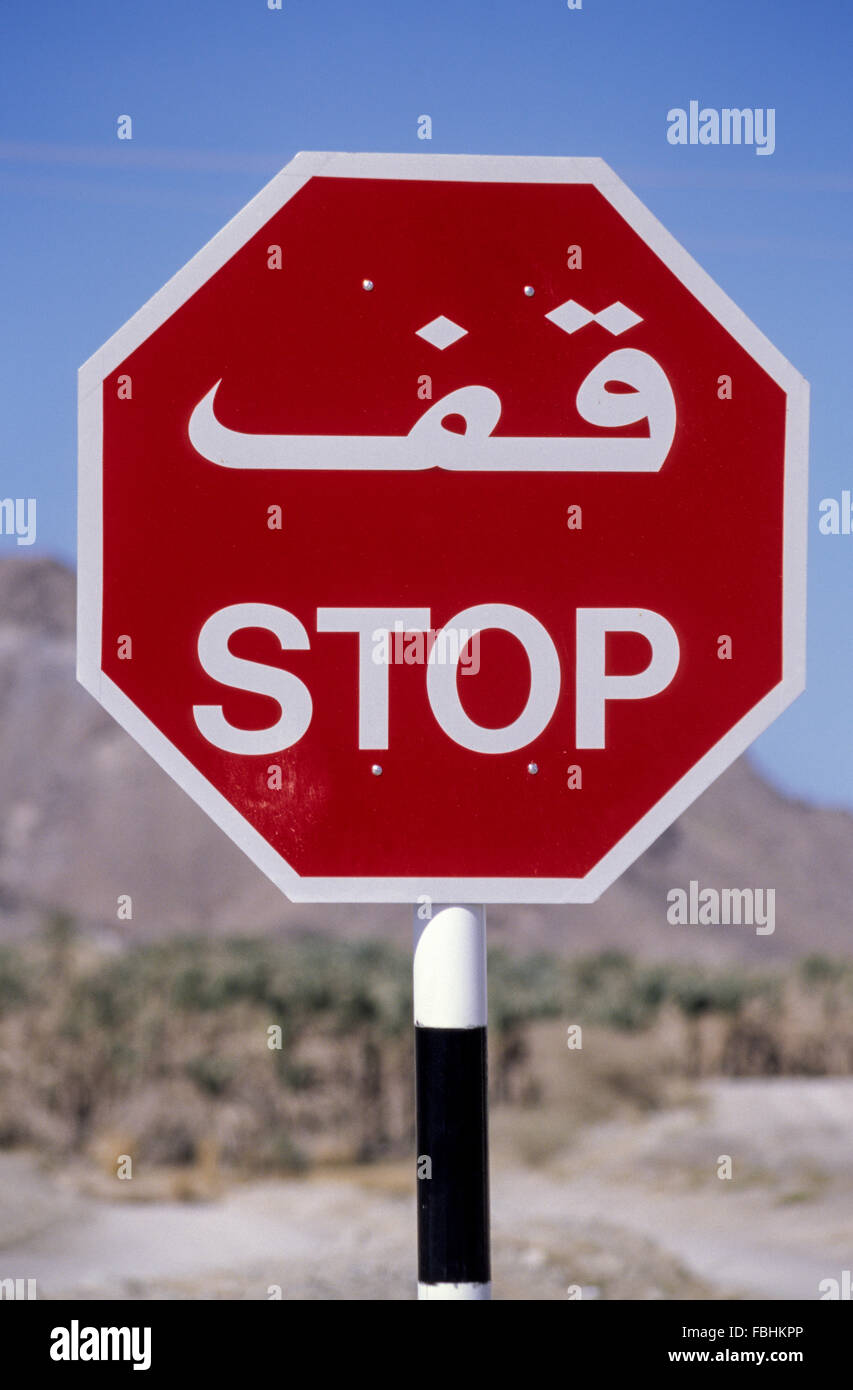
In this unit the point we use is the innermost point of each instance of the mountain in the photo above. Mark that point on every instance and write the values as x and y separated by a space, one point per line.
86 816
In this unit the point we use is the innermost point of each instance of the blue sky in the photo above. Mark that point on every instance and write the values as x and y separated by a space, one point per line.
223 94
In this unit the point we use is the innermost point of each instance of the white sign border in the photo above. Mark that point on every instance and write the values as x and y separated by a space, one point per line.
491 168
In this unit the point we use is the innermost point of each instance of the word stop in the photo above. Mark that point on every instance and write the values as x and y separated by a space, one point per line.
594 687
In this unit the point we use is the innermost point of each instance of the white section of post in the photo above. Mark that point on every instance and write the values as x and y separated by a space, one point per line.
467 1293
450 988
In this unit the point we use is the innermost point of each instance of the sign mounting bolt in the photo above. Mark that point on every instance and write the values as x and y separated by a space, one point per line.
367 284
376 770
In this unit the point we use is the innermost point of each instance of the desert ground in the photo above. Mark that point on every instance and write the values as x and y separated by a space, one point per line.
633 1208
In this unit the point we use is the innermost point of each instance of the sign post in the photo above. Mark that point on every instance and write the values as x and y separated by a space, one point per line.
479 515
451 1088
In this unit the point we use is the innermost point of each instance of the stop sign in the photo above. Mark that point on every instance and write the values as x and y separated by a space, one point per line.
442 529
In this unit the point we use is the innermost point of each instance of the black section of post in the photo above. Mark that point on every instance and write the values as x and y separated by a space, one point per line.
451 1088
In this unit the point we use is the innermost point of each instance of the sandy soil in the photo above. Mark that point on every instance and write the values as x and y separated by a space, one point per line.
632 1210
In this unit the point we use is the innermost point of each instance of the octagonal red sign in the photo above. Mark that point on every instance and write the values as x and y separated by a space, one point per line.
442 528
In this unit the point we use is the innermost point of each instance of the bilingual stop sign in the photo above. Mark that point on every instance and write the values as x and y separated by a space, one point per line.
442 529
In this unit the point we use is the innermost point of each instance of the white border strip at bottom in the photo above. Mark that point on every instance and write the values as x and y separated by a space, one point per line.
481 1292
